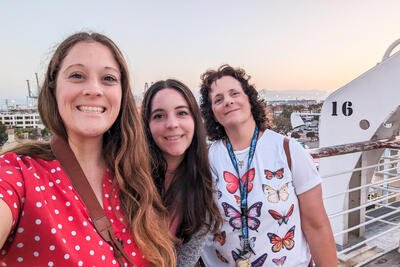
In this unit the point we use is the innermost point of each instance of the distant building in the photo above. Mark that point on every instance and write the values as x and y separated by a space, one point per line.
21 119
277 110
278 95
304 102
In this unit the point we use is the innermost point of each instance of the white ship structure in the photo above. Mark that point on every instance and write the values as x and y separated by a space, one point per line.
359 162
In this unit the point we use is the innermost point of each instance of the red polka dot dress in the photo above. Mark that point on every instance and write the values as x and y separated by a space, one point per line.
51 225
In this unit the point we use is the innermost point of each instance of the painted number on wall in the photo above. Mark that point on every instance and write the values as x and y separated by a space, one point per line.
346 108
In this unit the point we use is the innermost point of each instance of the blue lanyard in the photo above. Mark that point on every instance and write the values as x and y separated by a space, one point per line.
243 189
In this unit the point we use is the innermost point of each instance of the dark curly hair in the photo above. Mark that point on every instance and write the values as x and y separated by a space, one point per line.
214 129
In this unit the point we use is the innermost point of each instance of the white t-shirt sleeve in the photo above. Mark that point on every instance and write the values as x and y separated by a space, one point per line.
305 174
214 163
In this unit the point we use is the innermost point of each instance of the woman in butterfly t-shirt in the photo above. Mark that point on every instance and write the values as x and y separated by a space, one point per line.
286 220
86 100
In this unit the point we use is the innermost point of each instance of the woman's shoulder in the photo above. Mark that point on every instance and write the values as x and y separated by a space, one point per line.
277 139
272 137
215 146
17 157
216 152
12 160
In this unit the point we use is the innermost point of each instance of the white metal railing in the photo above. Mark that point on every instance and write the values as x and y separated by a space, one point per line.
388 168
358 169
372 219
375 201
390 180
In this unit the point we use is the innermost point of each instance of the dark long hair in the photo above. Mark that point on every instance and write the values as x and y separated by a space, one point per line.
191 190
123 150
214 129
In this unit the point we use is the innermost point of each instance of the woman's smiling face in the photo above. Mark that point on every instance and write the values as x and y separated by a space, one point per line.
229 103
171 123
88 90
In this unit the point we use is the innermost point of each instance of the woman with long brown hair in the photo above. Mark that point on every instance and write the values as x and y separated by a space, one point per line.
179 165
86 101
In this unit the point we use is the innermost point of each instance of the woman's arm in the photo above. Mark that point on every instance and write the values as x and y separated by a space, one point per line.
189 253
316 227
5 222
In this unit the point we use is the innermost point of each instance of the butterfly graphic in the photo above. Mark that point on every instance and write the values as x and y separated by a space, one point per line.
233 182
282 218
287 241
280 261
220 237
219 194
276 174
251 241
220 257
257 263
274 195
235 220
237 199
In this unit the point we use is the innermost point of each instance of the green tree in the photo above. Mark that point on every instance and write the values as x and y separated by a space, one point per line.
287 111
3 134
45 132
295 135
315 107
281 124
310 134
19 132
298 108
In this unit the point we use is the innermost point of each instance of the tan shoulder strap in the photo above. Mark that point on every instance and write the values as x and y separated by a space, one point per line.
70 164
287 152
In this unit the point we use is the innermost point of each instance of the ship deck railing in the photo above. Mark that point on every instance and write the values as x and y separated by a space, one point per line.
380 197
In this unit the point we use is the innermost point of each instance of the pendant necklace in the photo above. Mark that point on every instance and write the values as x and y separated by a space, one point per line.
240 163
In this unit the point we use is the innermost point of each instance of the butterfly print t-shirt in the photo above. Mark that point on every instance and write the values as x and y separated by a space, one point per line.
275 233
51 225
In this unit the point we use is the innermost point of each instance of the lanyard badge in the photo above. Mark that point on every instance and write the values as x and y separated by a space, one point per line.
243 190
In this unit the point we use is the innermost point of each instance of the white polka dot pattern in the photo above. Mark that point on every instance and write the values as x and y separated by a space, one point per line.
54 228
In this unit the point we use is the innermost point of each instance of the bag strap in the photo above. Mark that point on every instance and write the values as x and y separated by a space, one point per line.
70 164
287 152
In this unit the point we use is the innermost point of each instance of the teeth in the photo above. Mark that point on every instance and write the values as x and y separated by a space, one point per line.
173 138
91 109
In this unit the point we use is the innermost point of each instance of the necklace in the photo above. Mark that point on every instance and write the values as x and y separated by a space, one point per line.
240 163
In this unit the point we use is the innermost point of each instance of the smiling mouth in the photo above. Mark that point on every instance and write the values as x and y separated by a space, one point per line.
91 109
230 111
172 138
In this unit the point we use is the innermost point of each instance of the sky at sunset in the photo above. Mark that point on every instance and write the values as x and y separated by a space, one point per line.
282 44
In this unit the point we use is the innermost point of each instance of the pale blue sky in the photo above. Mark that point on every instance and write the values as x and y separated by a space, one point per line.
283 44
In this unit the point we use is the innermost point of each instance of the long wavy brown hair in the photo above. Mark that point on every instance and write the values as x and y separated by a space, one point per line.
191 190
214 129
124 150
